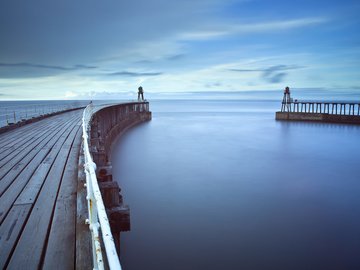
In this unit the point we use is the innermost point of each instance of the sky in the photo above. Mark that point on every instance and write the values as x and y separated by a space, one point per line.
89 49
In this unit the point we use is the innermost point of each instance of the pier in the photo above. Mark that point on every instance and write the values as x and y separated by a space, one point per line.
321 111
56 201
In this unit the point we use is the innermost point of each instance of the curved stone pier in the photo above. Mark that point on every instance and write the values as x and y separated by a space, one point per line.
107 124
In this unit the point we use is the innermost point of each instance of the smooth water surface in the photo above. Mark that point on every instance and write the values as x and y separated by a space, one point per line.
222 185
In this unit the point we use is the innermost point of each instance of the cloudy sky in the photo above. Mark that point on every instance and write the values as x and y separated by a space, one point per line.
89 48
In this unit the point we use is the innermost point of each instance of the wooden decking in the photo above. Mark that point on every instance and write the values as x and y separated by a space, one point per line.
38 192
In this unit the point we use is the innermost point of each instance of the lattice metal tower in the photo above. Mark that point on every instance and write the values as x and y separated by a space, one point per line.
286 102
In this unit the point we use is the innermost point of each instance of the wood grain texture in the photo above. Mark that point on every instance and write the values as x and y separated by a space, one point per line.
38 183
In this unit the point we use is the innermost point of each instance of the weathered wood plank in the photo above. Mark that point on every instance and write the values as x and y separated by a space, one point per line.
33 186
54 144
10 230
45 146
60 250
10 161
37 125
29 252
21 143
10 136
7 138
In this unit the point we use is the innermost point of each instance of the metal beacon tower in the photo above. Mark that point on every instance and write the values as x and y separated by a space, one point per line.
286 102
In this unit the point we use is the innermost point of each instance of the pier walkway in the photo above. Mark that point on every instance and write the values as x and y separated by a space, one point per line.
38 182
54 174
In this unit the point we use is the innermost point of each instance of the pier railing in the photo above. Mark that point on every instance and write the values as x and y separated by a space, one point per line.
98 220
15 112
101 125
325 107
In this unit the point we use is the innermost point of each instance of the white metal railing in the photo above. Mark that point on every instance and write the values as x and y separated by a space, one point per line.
12 112
98 220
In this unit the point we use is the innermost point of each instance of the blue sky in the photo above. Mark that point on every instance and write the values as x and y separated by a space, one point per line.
95 49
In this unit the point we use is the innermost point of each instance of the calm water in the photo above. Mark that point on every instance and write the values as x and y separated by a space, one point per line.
222 185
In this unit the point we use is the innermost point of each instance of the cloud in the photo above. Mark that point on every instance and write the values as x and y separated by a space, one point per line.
276 77
30 65
268 70
125 43
103 95
275 74
175 57
213 85
81 31
26 70
278 25
203 35
252 28
272 74
134 74
245 70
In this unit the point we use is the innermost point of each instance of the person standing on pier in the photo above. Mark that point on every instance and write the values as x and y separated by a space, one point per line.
140 93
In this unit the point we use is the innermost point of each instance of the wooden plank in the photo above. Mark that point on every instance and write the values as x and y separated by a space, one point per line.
30 247
18 154
10 161
54 144
28 128
10 231
83 236
9 137
25 132
36 154
60 250
21 143
33 186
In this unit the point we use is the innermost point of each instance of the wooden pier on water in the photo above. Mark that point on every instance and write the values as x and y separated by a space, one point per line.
43 204
320 111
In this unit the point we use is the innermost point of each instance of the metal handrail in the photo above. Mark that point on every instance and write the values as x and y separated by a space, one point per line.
98 219
13 112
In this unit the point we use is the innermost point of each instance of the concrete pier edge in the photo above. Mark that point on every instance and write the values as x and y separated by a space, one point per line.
318 117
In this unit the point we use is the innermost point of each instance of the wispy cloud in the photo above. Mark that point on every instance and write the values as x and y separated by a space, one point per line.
28 70
252 28
175 57
201 35
134 74
268 69
33 65
272 74
278 25
213 85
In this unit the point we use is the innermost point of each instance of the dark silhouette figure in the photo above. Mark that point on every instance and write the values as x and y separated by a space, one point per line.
140 93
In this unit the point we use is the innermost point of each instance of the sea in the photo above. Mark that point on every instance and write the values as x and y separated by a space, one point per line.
215 182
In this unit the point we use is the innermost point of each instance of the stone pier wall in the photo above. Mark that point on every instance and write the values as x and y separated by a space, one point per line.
107 124
318 117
